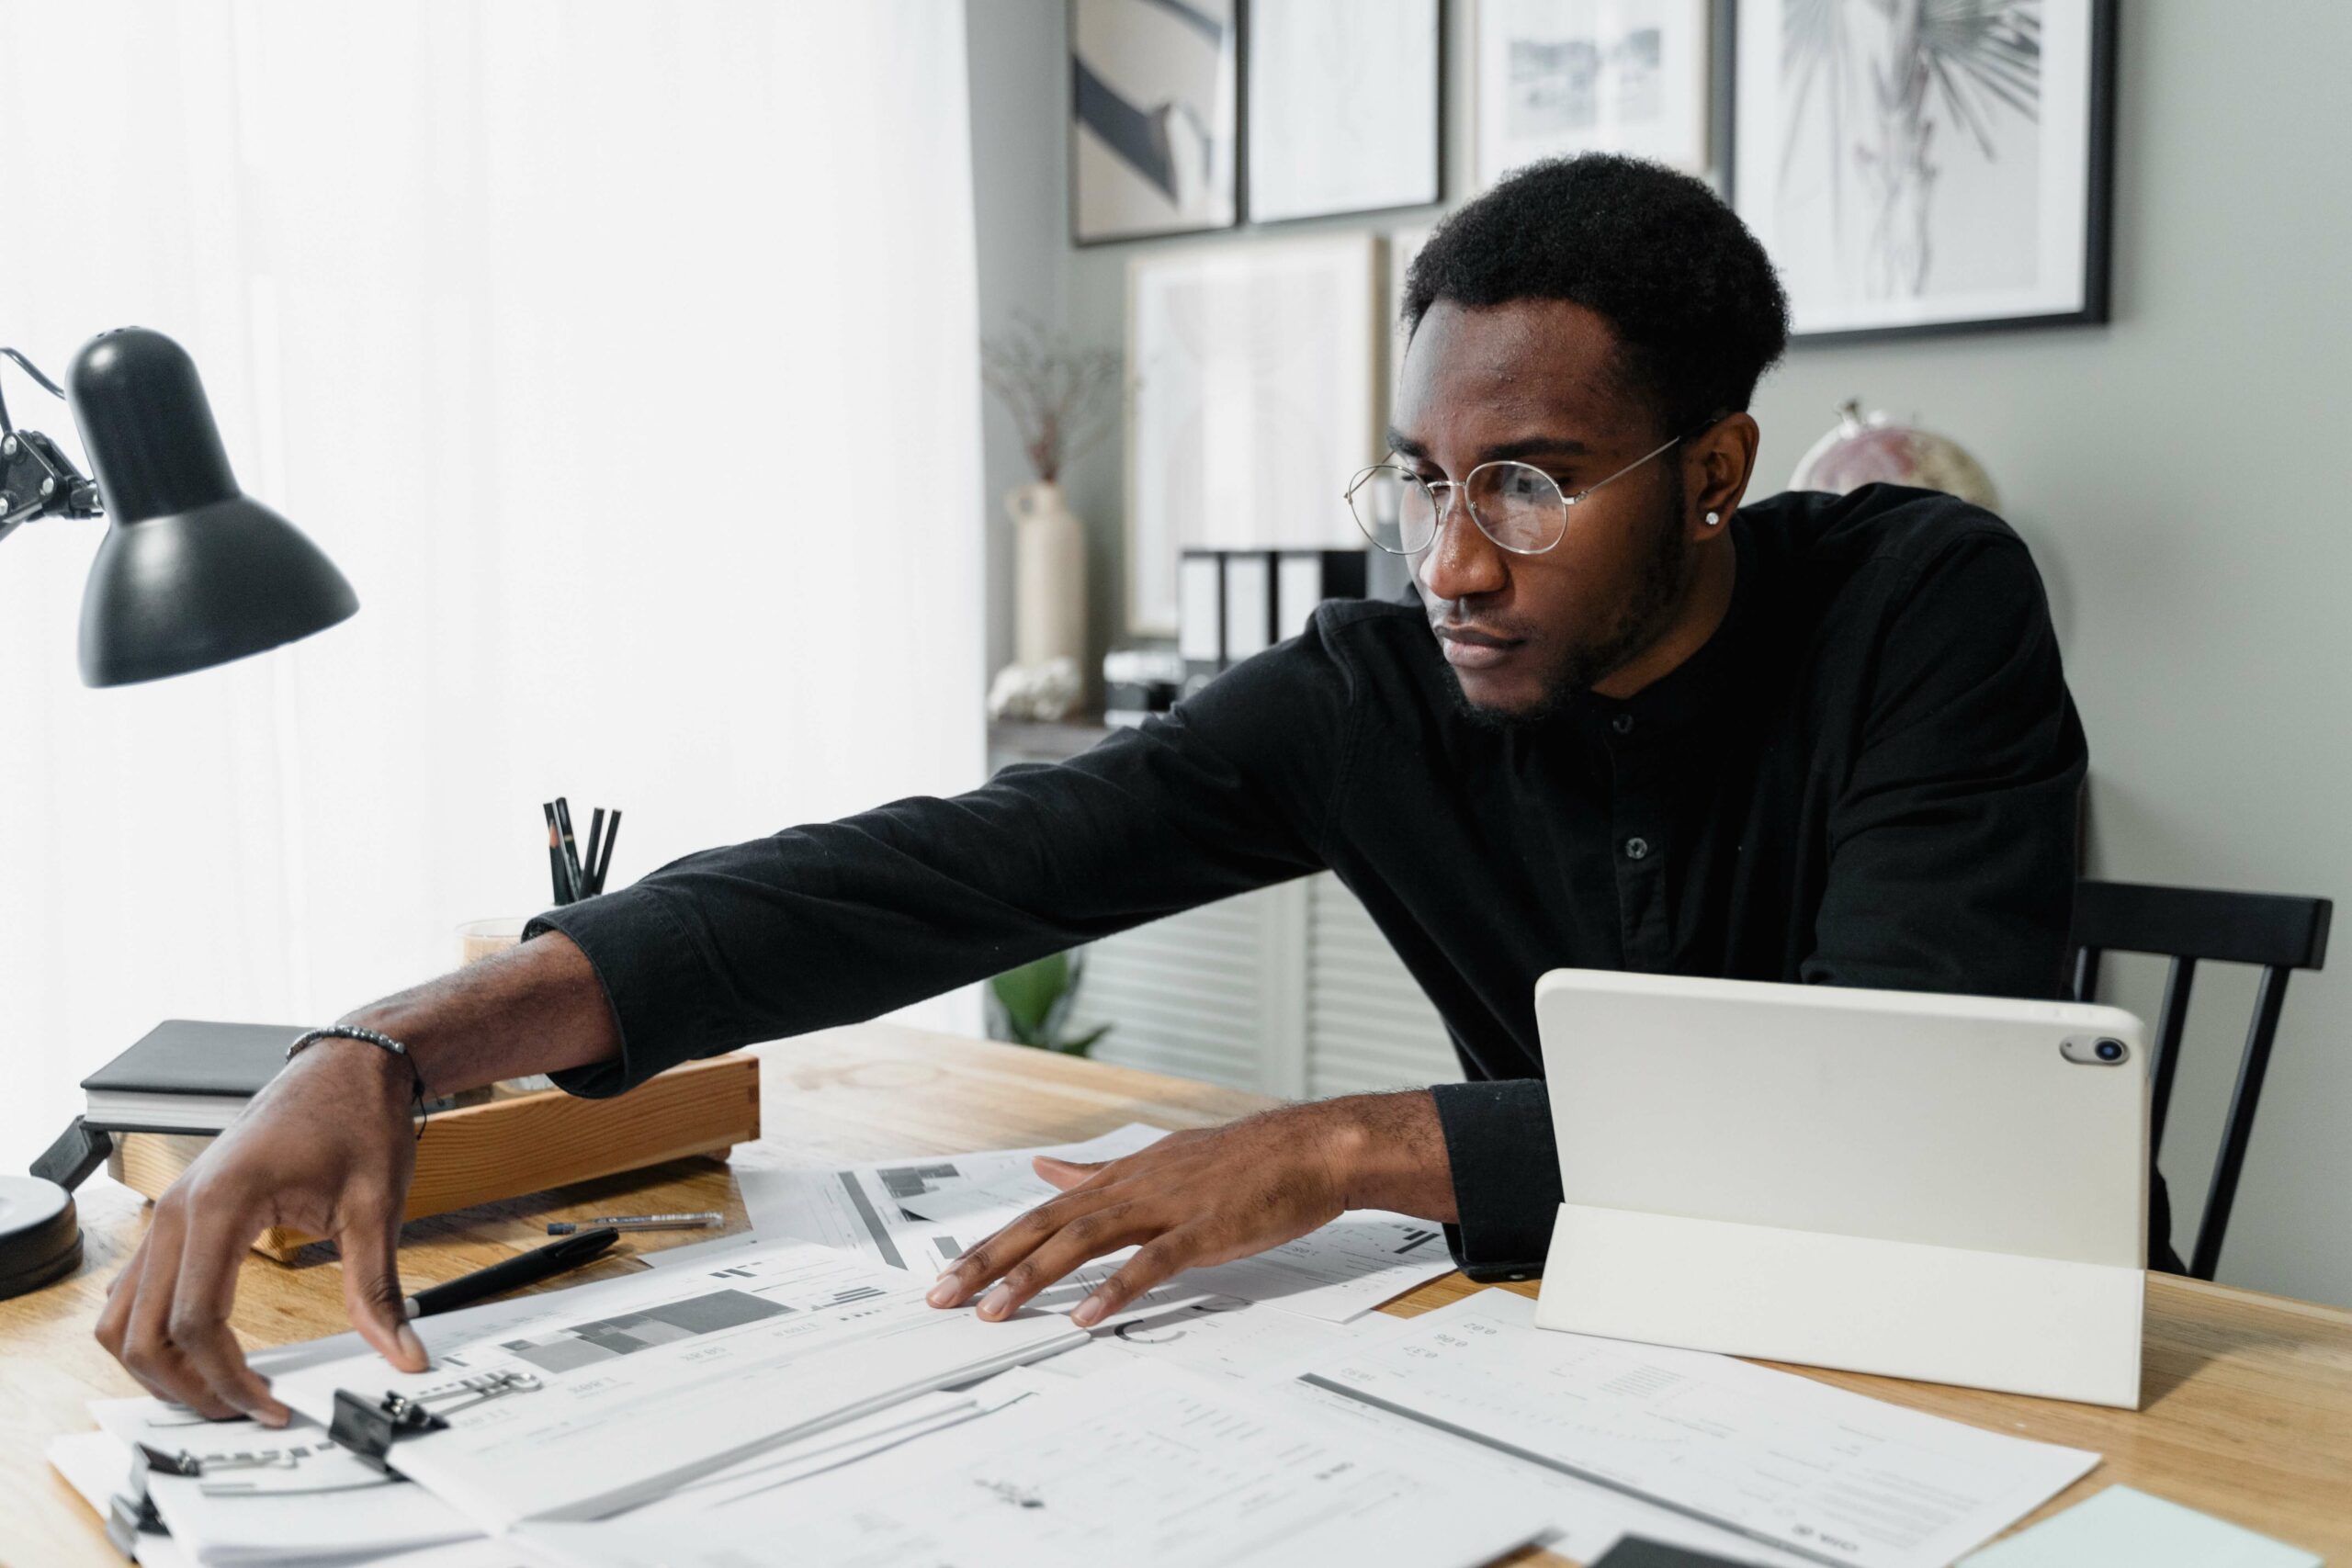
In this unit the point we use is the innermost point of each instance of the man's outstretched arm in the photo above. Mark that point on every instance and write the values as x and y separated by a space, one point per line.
822 924
328 1147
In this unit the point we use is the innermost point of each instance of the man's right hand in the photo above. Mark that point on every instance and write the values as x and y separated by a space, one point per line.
327 1148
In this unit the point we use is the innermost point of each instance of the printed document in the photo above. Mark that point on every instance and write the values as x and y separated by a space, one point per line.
1583 1519
1144 1465
619 1392
98 1469
1217 1337
1783 1459
923 1212
268 1494
1267 1349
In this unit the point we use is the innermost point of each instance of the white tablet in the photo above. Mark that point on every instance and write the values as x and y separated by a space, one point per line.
1810 1159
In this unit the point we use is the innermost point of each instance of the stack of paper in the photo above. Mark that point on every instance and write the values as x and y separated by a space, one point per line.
756 1391
621 1391
273 1495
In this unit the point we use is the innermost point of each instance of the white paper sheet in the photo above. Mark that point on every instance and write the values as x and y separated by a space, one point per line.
1222 1336
2124 1528
1363 1258
1267 1349
924 1213
1147 1465
479 1552
881 1208
298 1499
97 1466
1584 1517
1779 1457
822 1453
646 1382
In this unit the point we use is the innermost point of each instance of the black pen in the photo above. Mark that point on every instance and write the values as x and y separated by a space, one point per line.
563 893
571 850
605 863
513 1274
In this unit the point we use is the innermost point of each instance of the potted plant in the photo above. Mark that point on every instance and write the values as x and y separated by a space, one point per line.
1033 1003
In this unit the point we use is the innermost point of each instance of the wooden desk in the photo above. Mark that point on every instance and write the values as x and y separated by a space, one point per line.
2249 1397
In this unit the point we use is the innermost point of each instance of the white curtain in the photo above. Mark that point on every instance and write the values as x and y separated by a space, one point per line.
622 354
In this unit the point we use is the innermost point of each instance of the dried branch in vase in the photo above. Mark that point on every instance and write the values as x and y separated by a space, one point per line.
1062 397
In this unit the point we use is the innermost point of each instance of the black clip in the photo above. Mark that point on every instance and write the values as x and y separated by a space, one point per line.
132 1514
368 1430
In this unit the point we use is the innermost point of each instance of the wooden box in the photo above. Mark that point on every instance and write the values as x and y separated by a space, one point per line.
518 1143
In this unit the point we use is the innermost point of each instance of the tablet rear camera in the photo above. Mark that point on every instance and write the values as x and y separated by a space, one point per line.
2094 1049
2108 1050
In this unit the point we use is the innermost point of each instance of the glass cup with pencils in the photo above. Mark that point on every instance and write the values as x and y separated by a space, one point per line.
476 939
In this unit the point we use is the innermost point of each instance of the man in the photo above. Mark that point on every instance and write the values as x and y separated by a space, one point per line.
1624 724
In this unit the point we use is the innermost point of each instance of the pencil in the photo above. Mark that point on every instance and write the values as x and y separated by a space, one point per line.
596 833
612 831
555 857
571 850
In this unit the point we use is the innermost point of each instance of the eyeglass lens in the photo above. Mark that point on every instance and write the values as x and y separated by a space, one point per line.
1517 506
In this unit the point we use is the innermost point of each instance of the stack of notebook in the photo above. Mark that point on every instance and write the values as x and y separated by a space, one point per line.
186 1077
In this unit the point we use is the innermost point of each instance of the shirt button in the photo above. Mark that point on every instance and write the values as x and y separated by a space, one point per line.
1623 723
1636 848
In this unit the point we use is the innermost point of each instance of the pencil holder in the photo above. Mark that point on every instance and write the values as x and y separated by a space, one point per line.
476 939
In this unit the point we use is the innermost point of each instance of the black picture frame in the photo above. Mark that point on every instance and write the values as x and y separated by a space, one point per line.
1441 63
2097 225
1077 89
1439 58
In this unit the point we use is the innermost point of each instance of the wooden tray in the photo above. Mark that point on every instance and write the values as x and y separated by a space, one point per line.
518 1143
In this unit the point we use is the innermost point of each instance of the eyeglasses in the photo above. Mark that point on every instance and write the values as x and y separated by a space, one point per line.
1517 505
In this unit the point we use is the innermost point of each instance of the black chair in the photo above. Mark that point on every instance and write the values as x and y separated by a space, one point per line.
2189 924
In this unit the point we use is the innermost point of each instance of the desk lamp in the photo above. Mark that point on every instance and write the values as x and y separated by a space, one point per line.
192 572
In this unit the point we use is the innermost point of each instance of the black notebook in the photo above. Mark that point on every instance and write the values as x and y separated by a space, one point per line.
186 1077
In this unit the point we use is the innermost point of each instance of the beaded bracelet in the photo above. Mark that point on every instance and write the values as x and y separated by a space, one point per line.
382 1042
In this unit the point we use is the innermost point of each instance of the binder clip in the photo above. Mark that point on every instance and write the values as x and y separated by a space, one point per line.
132 1514
368 1429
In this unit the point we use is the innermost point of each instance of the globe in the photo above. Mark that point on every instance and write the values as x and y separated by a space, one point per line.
1873 449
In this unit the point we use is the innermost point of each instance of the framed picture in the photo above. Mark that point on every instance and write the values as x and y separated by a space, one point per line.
1404 244
1344 106
1251 393
1976 194
1558 77
1154 127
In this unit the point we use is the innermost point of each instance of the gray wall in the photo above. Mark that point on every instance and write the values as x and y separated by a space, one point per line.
2170 471
1020 236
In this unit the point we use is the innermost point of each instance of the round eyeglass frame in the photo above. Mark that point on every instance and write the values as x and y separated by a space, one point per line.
1443 511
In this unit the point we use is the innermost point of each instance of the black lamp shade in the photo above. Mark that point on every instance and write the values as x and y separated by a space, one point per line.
192 572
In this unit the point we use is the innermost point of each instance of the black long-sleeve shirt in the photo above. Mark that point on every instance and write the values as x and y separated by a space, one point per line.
1868 776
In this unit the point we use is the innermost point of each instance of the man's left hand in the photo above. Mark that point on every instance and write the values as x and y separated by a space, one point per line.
1210 1196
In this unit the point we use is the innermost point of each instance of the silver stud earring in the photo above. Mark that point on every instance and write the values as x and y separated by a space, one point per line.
1714 518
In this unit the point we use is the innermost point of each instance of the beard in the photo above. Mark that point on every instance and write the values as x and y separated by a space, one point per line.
1641 616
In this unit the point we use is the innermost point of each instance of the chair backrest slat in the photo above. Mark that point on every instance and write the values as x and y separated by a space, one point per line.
2253 1063
2190 925
2275 930
2169 1024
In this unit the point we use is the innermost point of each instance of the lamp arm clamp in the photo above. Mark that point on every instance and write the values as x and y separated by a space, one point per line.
37 479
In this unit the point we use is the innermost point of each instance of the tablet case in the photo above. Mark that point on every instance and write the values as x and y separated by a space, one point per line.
1918 1185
